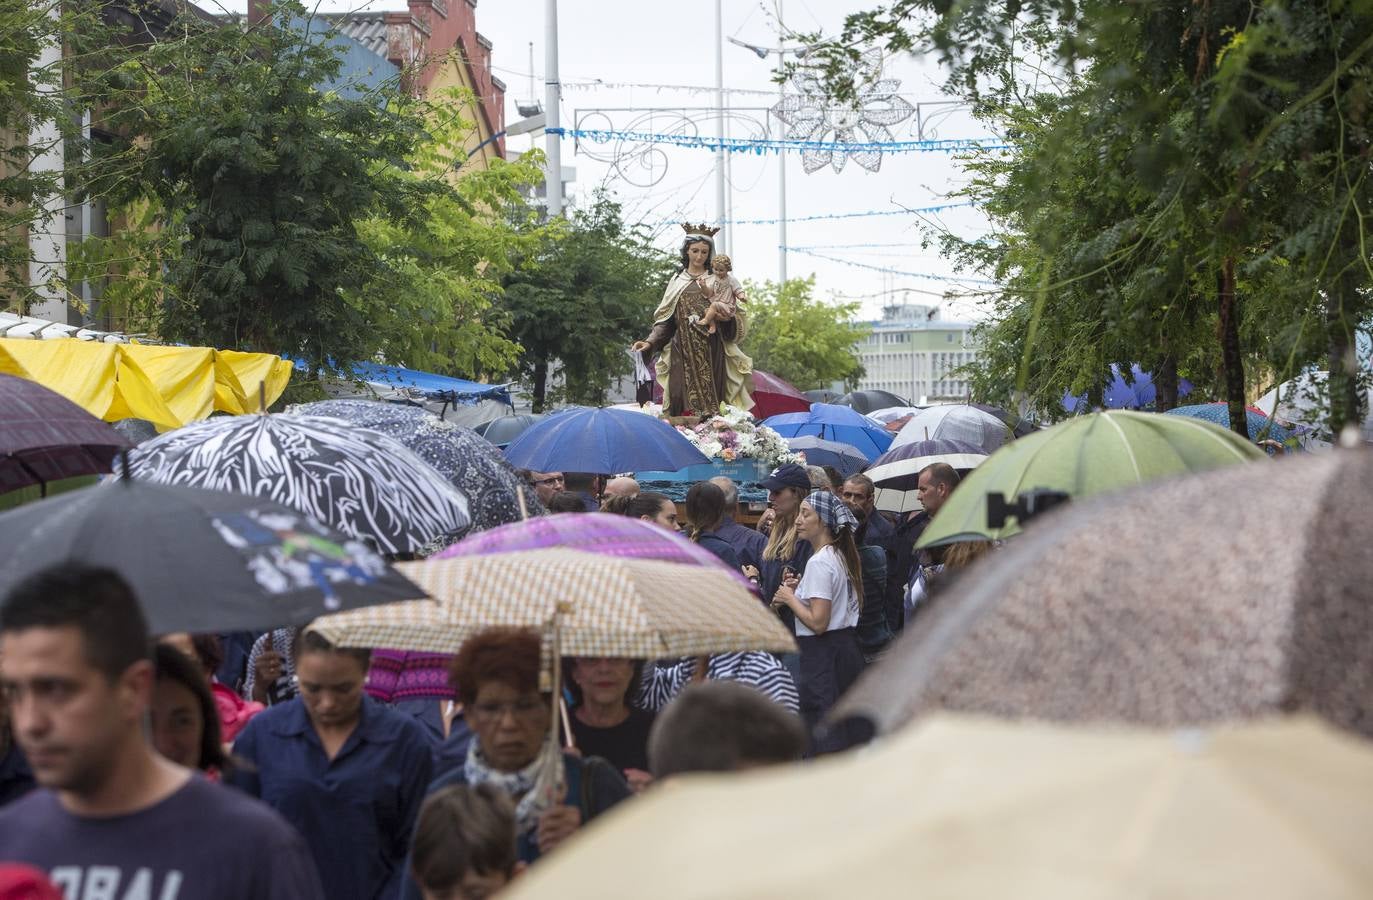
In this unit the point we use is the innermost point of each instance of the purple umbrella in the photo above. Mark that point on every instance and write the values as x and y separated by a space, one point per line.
1139 394
47 437
603 533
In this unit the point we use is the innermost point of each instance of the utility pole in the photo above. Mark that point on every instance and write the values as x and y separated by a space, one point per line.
781 161
553 183
721 213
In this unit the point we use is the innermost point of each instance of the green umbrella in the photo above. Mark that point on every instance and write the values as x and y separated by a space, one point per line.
1086 455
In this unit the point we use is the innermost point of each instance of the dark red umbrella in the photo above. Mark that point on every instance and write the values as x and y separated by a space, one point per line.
45 437
772 396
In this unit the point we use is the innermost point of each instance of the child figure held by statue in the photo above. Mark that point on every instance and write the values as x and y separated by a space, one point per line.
726 292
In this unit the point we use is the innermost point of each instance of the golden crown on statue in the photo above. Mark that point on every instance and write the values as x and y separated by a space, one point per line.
702 229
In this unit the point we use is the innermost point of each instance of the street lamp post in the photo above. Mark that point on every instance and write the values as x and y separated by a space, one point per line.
553 183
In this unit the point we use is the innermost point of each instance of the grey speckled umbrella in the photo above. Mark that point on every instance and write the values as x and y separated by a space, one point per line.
470 462
1234 593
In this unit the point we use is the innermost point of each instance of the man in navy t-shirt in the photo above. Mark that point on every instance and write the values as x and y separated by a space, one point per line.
112 818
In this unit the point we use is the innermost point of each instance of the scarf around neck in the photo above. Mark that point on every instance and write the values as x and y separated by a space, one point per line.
532 797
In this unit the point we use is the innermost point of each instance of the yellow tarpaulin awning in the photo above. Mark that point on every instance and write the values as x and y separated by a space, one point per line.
168 386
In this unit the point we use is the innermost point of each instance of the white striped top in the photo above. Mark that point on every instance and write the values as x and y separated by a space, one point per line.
756 669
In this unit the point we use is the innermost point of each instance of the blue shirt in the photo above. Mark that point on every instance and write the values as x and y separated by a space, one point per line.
356 811
748 544
205 842
15 778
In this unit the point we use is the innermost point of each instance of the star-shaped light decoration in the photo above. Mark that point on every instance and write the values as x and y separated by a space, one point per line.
811 115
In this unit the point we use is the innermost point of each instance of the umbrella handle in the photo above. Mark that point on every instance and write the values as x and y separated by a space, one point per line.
568 740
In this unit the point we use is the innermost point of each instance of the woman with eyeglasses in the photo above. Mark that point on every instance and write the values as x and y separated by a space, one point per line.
496 675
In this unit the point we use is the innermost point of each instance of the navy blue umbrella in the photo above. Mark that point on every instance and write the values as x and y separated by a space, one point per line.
583 439
835 423
820 452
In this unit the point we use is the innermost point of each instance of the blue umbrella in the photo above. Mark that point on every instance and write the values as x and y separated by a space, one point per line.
583 439
834 423
1219 414
1141 393
820 452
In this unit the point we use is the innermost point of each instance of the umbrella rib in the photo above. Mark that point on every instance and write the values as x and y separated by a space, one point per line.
1120 432
1193 423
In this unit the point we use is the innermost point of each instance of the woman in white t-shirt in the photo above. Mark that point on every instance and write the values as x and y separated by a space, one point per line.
826 601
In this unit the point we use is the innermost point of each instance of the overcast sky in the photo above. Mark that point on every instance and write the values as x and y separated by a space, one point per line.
651 42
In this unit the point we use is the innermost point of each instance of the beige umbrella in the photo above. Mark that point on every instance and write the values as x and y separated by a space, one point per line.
1239 592
975 809
605 606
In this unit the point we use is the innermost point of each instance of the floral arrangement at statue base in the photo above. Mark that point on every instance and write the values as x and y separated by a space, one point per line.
734 435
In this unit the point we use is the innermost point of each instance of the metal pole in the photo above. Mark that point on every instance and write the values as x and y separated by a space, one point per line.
729 193
553 183
720 117
781 195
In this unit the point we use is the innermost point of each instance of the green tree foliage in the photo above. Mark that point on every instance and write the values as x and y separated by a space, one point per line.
1187 186
260 182
434 295
579 300
799 338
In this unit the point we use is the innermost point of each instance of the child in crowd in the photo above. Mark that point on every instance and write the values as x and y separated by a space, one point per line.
726 292
465 843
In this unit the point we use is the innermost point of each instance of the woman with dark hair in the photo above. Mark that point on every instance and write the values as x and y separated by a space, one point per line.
233 711
650 506
827 603
603 722
496 675
348 772
705 509
565 502
698 371
185 721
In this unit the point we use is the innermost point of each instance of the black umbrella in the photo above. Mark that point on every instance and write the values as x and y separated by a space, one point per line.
199 560
45 437
823 396
505 429
360 482
471 463
871 401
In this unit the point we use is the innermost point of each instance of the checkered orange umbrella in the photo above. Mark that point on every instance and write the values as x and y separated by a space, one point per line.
606 606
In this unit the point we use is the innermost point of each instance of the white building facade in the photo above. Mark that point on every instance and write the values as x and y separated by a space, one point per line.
913 353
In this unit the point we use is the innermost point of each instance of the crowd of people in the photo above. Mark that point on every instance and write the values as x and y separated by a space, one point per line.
262 765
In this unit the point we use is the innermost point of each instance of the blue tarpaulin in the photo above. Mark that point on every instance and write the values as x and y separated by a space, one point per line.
434 387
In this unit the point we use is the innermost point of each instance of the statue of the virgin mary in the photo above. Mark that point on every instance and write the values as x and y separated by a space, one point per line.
698 371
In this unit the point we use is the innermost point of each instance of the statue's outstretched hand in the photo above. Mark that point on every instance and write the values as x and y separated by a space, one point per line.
639 346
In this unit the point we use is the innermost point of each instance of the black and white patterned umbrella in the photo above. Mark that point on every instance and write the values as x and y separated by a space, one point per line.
470 462
358 481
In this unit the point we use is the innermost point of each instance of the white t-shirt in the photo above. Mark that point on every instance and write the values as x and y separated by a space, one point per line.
826 578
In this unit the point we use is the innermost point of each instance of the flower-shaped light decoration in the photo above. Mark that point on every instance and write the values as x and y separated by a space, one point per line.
811 115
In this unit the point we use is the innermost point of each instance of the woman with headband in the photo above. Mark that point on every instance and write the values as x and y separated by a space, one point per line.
827 600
